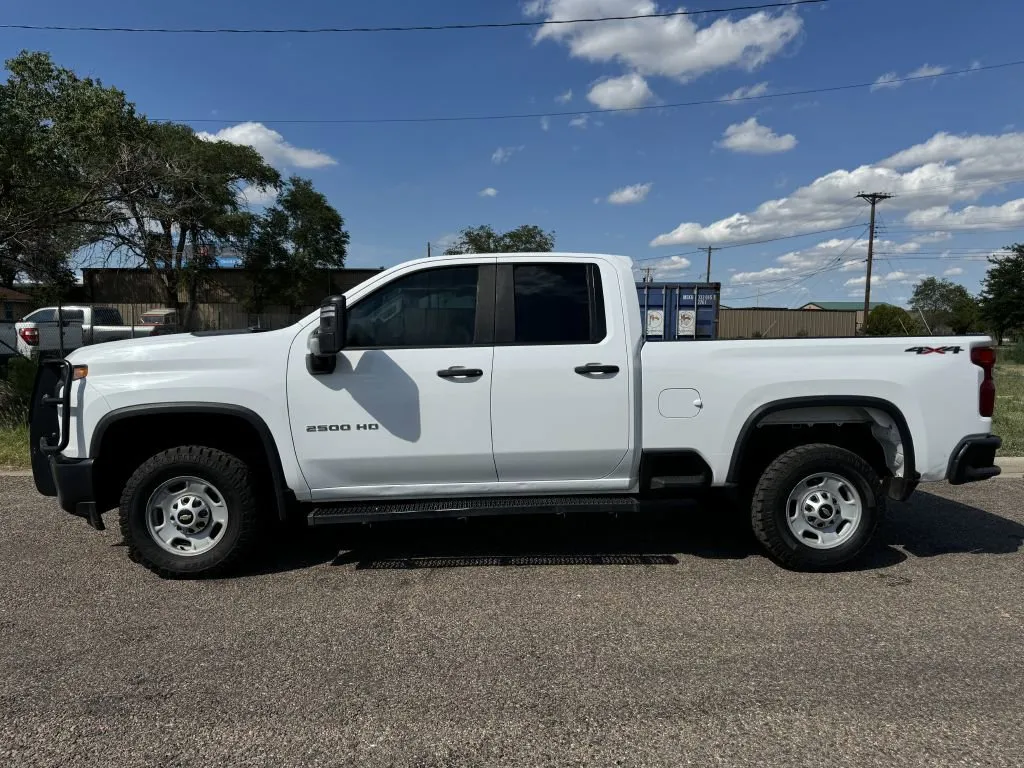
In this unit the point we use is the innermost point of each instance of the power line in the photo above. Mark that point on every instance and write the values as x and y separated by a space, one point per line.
574 113
416 28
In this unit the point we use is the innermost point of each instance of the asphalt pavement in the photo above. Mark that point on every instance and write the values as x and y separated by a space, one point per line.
657 640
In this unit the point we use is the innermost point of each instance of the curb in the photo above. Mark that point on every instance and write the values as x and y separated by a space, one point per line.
1012 466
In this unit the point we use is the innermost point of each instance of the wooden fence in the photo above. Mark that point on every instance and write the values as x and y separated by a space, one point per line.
785 323
217 316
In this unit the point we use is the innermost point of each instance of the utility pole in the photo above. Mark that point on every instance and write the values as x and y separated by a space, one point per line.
428 249
708 277
647 274
874 198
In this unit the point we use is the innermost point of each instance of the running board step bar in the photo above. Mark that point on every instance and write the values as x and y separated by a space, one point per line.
358 512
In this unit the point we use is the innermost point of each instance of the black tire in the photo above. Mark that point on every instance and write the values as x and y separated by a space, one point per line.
769 514
234 481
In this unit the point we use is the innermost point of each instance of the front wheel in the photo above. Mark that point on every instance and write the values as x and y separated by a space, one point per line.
816 507
189 512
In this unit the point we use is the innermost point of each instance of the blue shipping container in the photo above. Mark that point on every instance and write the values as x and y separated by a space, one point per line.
679 311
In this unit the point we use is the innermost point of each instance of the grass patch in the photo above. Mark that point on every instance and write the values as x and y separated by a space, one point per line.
14 447
1008 422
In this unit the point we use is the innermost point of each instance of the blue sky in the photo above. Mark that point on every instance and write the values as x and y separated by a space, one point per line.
680 174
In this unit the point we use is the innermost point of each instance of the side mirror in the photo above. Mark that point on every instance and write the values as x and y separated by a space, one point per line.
331 333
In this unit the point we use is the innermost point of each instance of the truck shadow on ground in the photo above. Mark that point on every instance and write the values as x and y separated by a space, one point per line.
928 526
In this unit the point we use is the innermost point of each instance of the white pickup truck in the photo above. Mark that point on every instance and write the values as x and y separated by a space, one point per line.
490 384
40 332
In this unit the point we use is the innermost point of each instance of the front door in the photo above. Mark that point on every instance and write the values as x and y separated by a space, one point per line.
408 406
560 400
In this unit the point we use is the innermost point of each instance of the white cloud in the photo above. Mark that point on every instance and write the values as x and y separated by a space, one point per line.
446 240
893 79
545 123
504 154
886 81
753 138
257 196
846 254
271 145
671 47
564 98
1009 215
927 70
626 92
940 172
746 92
903 278
953 271
580 121
933 237
635 193
670 265
488 192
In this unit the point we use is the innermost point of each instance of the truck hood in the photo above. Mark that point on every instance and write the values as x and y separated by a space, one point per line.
176 350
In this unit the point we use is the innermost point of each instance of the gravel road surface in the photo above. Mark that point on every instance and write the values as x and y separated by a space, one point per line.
658 640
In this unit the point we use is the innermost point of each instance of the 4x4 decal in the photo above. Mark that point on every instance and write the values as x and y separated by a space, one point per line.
936 350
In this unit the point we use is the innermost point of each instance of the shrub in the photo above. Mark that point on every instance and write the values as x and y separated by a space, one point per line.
16 391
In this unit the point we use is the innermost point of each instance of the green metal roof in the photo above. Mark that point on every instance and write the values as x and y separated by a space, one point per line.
848 306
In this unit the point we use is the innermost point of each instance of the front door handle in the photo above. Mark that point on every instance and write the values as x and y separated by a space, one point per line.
583 370
458 372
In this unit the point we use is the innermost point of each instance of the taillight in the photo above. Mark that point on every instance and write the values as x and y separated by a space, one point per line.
985 358
30 336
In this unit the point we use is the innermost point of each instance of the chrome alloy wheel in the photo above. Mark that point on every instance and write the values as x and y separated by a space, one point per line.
186 516
824 510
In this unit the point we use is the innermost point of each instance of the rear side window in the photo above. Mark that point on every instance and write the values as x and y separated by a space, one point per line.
41 316
430 308
558 304
73 315
107 316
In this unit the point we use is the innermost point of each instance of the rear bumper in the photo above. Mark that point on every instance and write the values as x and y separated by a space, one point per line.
974 459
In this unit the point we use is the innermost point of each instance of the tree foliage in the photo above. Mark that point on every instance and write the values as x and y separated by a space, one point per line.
58 135
946 306
80 167
1002 294
528 238
887 320
301 235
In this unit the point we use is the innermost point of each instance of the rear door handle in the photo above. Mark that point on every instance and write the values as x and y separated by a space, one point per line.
583 370
458 372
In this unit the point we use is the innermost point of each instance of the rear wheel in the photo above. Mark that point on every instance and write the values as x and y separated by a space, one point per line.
816 507
189 512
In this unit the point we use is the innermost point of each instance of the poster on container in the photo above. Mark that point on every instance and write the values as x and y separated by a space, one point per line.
655 322
686 325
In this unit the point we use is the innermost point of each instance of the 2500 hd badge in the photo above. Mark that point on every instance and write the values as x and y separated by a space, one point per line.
341 427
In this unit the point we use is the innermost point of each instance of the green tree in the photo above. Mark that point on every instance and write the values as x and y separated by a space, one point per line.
887 320
178 198
946 306
59 136
1002 294
301 235
528 238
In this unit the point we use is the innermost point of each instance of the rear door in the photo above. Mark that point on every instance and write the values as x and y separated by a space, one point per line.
560 398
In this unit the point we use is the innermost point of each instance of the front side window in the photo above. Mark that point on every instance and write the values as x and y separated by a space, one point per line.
430 308
558 304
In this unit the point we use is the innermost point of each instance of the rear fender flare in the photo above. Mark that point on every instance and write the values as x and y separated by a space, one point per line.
910 476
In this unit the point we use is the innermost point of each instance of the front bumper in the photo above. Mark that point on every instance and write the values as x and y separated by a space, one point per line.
73 480
974 459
